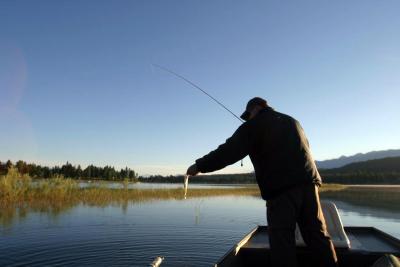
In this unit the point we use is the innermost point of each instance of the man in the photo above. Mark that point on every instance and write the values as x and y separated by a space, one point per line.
286 175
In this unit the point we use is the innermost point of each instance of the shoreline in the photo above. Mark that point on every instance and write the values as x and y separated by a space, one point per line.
374 185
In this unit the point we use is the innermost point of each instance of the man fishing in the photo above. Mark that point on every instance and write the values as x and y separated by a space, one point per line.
286 175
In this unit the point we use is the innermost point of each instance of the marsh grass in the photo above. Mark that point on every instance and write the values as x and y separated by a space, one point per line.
20 190
17 189
332 187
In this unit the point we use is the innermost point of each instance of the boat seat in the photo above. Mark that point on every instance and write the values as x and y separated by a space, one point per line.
334 225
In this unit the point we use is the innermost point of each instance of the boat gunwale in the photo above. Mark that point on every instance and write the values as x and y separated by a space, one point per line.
351 229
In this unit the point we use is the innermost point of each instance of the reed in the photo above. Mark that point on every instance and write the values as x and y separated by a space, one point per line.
20 190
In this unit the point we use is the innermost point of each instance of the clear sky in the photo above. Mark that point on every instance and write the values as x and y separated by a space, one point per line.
77 84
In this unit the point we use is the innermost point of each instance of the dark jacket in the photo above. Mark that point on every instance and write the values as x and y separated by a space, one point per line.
278 149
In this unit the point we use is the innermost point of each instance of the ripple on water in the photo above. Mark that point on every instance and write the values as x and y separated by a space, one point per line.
187 233
120 245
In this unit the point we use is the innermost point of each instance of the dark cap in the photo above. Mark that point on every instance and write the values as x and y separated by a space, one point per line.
256 101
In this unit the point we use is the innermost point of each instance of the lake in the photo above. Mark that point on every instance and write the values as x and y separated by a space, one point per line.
192 232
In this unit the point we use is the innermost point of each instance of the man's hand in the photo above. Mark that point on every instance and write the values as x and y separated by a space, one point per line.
192 170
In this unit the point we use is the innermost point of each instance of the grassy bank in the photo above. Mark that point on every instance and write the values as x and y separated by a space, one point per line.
17 189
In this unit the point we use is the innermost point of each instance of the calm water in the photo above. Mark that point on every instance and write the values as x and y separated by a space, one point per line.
193 232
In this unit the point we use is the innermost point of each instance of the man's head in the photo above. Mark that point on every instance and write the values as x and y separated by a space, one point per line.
253 107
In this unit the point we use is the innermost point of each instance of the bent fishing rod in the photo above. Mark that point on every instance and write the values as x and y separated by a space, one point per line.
198 88
201 90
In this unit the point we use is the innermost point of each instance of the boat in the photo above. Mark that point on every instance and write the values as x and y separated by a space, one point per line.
355 246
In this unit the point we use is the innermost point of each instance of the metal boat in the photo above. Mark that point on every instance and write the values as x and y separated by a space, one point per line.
355 246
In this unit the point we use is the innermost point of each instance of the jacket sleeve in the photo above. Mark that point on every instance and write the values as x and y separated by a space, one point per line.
235 148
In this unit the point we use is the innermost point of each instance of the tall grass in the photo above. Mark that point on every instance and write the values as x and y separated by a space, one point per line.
14 186
17 189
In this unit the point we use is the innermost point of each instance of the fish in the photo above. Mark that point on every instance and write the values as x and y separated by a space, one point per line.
157 262
185 185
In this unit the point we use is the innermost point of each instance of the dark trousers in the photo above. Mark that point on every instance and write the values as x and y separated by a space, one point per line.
300 204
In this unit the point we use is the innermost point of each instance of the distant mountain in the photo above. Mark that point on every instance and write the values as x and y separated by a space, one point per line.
385 165
344 160
375 171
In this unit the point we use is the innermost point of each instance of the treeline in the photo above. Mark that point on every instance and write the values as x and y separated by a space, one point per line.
377 171
69 171
380 171
361 177
242 178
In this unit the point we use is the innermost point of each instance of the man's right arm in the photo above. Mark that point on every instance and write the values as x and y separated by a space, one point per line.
234 149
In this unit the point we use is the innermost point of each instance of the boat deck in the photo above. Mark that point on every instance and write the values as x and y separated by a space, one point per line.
361 239
367 245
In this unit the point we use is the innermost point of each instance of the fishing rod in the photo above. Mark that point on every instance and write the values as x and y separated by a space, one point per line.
204 92
197 87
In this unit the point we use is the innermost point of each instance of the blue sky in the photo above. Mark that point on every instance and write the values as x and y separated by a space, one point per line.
77 84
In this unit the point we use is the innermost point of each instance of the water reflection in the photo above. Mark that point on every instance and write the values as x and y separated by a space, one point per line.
192 232
57 200
13 214
377 199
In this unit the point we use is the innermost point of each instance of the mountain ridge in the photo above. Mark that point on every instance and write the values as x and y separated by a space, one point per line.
359 157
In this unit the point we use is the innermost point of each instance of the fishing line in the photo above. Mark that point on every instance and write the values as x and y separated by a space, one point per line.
197 87
202 90
186 178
